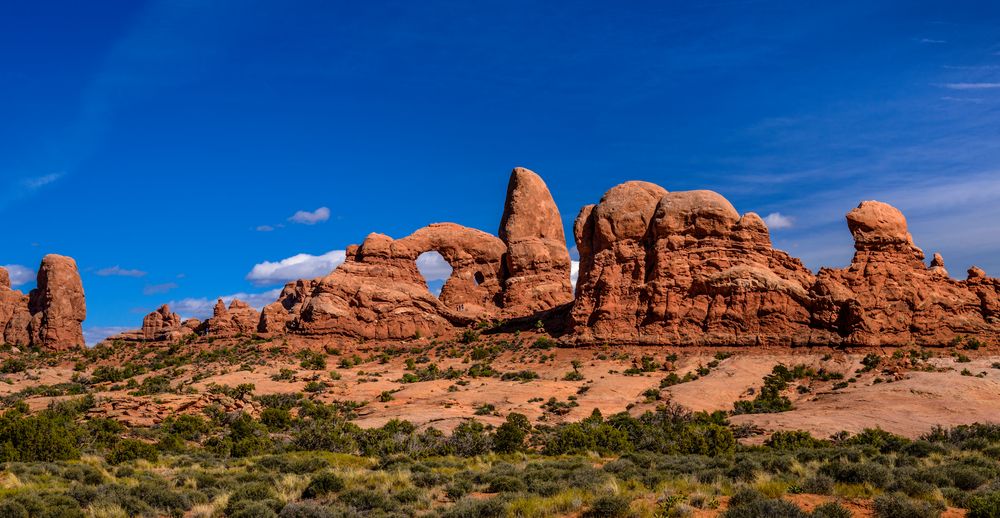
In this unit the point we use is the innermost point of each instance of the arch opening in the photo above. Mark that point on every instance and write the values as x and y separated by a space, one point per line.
434 269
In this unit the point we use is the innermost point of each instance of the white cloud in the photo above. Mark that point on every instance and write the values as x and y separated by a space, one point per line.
311 218
41 181
265 228
433 266
201 308
19 274
971 86
155 289
975 100
94 335
777 220
574 272
929 40
300 266
118 271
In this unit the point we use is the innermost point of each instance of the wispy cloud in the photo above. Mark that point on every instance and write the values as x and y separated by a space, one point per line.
38 182
19 274
974 100
932 41
971 86
265 228
118 271
777 221
299 266
202 307
305 217
574 272
156 289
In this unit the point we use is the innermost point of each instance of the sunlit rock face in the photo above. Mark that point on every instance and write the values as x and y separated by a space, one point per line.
658 267
52 315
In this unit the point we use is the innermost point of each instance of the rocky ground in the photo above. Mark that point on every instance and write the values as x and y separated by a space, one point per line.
429 383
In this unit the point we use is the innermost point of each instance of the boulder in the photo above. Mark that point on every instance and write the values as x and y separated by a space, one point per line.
536 265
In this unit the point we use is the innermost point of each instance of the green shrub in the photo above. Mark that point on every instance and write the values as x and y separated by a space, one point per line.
793 440
127 450
323 484
831 510
476 508
749 503
276 419
896 505
306 510
608 506
468 336
510 436
858 473
46 437
313 360
13 366
985 506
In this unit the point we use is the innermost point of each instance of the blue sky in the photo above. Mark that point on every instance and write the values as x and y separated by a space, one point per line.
176 148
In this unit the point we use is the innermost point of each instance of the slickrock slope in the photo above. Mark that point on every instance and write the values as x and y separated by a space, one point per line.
536 274
51 315
888 296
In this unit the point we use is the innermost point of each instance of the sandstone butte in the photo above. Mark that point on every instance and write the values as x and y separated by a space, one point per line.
51 316
656 267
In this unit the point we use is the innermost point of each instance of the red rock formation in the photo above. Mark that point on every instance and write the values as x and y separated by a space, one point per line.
655 267
684 268
888 296
238 319
379 293
276 316
161 325
14 314
58 306
536 265
51 316
160 321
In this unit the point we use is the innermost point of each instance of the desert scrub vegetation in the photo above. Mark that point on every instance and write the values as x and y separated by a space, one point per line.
302 458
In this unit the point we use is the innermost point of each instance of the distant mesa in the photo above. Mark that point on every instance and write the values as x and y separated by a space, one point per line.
656 267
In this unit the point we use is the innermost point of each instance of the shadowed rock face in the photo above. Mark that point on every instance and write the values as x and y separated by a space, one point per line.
51 316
